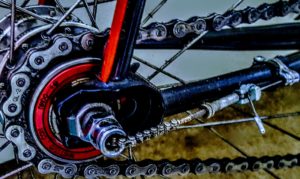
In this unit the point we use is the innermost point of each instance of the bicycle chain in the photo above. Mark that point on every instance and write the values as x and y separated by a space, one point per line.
215 22
168 168
179 29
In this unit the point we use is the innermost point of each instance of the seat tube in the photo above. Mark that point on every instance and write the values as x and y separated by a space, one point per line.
121 42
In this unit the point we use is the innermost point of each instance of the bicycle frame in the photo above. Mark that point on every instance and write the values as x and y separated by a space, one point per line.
119 50
122 41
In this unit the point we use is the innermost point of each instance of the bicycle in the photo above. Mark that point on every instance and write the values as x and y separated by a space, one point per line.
71 99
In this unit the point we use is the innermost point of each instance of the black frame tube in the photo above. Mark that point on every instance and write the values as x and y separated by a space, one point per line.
246 38
130 28
181 98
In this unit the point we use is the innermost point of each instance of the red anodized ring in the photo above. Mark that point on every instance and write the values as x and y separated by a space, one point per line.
41 123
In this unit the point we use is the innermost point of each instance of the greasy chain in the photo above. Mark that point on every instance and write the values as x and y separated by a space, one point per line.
179 29
215 22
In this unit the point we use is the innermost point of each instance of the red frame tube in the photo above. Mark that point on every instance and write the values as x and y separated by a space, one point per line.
113 40
42 2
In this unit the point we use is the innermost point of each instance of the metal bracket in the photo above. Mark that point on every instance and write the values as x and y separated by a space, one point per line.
249 93
290 76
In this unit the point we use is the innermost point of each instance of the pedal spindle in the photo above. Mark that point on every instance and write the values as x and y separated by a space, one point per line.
95 123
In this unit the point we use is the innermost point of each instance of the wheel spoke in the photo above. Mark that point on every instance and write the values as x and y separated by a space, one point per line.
3 146
16 170
282 131
60 6
91 3
159 70
235 5
237 121
25 3
215 132
8 5
12 31
153 12
131 155
86 6
275 116
95 9
179 53
31 173
54 26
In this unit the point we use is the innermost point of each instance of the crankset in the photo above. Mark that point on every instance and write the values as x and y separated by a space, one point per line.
54 106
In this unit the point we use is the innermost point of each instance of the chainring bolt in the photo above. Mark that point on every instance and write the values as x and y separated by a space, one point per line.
39 60
63 46
21 82
15 133
12 108
25 46
46 166
69 171
90 43
52 13
27 153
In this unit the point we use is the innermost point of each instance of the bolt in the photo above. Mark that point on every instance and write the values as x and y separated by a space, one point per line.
69 171
269 165
218 23
281 164
185 169
256 166
229 168
132 171
27 153
259 59
113 171
52 13
12 108
91 171
63 46
15 133
90 43
214 168
168 170
150 171
21 82
244 167
46 166
199 168
25 46
39 60
68 30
